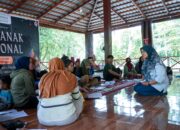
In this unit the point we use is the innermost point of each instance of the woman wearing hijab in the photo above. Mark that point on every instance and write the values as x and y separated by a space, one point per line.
60 100
154 72
129 70
22 85
138 66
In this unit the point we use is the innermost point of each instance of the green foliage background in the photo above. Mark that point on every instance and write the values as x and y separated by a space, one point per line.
166 37
125 42
55 43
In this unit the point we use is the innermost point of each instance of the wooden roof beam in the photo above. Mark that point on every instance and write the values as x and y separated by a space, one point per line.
83 17
92 12
60 26
134 3
52 7
165 7
98 16
19 4
84 3
119 15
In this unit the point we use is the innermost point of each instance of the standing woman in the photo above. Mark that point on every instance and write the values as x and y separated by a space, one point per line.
154 72
61 102
22 85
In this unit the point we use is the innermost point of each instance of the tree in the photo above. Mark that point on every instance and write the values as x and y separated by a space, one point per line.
55 43
166 38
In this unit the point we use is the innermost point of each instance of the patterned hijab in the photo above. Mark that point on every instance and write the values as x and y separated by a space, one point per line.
150 63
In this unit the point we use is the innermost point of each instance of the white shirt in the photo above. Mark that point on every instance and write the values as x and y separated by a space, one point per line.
160 76
54 109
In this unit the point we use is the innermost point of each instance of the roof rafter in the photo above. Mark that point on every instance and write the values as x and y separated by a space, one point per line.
83 17
119 15
165 7
60 26
87 1
92 12
19 4
52 7
97 15
134 3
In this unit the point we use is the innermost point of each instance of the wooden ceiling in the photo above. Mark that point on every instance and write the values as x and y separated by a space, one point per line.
87 15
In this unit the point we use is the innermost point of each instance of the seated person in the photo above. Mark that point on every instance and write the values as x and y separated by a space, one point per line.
69 66
85 81
5 93
38 76
169 74
60 100
1 71
22 85
41 73
77 69
64 57
139 65
88 66
110 72
95 66
154 73
129 70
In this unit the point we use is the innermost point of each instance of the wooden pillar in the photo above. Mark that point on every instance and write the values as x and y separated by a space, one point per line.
107 27
146 32
89 44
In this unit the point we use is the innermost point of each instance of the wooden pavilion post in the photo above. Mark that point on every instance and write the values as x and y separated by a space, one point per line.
146 32
107 27
89 43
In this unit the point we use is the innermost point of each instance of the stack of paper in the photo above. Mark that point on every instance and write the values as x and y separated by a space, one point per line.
11 114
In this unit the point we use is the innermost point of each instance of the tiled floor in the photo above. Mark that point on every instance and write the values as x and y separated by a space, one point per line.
125 110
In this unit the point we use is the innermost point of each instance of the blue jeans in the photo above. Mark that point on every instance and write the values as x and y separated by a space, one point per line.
147 90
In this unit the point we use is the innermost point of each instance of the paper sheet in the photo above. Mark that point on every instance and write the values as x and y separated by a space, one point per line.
8 111
94 95
12 115
98 88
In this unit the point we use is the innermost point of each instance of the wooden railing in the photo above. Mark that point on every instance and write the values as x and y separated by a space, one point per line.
173 62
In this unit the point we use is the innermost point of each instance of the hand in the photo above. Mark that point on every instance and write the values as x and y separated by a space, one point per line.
145 83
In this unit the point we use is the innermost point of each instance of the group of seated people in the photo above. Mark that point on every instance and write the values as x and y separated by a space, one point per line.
60 101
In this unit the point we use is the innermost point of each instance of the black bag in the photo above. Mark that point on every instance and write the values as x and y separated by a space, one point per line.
13 125
3 105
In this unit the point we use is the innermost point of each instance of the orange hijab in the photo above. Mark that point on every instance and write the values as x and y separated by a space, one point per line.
58 81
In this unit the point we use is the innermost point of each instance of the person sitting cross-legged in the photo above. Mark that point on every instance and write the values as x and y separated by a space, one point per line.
22 85
154 73
61 102
110 72
129 70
